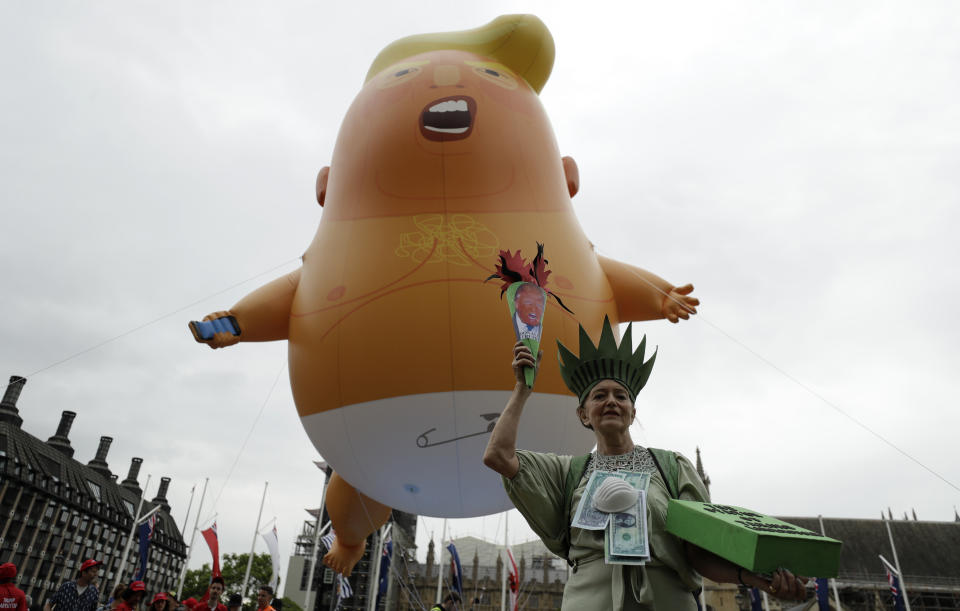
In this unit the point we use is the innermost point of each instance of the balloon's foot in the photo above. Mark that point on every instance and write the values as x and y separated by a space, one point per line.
342 558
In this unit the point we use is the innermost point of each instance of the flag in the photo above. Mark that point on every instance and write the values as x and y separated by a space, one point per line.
823 594
210 536
273 544
756 600
514 581
344 590
385 556
894 581
328 538
456 573
146 535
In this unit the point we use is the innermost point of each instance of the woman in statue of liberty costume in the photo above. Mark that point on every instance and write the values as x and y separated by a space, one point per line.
606 381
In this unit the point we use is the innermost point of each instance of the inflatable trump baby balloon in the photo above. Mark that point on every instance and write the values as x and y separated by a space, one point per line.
398 350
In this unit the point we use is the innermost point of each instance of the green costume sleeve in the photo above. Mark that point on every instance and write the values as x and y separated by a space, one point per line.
537 492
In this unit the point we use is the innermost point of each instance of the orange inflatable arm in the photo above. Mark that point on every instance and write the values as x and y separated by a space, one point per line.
641 295
261 316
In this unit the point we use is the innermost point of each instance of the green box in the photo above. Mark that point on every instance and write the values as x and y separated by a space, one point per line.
754 541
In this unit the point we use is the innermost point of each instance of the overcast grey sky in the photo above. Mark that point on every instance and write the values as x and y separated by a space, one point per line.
798 162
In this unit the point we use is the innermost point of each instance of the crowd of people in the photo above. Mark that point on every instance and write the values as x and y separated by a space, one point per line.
83 594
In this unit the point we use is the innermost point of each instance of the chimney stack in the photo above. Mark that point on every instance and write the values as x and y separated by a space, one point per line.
131 482
8 407
99 463
61 440
161 498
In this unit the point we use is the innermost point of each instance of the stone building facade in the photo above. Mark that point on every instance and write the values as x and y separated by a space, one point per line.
56 511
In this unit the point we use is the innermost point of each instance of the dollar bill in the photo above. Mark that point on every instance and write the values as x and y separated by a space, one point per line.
639 481
627 532
586 516
610 558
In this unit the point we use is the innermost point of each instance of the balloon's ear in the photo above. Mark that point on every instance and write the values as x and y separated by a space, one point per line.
322 184
572 173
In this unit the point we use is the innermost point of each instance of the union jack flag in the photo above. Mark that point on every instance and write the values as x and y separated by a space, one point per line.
894 581
145 532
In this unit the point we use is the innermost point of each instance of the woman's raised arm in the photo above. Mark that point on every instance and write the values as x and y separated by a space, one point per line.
501 452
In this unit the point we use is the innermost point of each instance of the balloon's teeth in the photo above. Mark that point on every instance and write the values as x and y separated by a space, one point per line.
450 105
450 130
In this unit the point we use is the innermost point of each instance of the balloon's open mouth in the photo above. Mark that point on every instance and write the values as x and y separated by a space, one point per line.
448 118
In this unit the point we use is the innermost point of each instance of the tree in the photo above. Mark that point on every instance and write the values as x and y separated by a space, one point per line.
232 570
196 582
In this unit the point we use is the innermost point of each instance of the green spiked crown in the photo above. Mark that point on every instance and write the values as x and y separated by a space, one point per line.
605 361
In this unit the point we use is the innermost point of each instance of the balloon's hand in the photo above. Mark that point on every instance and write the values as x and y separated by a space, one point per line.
522 357
787 586
220 339
679 304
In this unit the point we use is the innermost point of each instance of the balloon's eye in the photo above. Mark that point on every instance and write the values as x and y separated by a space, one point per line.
499 77
400 74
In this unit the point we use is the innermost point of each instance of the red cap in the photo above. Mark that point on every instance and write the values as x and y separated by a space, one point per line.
138 586
88 564
159 596
8 570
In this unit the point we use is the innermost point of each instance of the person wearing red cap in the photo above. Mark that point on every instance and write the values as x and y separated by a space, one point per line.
132 596
159 602
79 595
12 598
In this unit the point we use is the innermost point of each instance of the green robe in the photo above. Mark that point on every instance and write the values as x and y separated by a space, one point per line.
666 582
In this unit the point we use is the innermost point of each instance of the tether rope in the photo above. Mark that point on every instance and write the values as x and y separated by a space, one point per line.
793 379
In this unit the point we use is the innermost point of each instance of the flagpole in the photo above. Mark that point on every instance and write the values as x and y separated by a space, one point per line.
133 529
196 523
253 545
896 562
316 539
186 518
440 563
372 594
833 581
506 559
